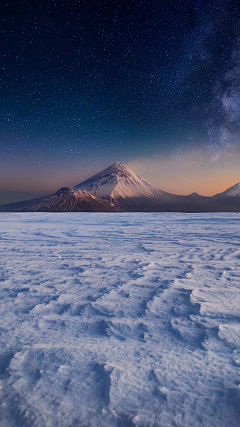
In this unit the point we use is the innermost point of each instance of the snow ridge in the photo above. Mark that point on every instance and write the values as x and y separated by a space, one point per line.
233 191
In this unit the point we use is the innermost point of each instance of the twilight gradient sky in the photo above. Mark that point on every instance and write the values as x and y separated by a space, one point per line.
155 85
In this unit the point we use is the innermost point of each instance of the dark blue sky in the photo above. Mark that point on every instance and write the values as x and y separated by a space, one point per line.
88 83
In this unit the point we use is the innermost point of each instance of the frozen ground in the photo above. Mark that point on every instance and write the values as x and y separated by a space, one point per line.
120 320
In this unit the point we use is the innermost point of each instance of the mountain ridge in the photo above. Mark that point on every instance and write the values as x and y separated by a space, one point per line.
64 200
118 189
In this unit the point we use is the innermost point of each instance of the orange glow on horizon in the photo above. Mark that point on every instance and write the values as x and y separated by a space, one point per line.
180 173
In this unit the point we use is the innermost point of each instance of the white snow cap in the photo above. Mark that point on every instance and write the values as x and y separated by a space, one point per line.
117 181
233 191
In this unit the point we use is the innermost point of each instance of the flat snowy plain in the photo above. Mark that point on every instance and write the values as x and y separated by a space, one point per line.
120 320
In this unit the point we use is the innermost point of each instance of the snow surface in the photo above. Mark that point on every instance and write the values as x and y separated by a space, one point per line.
117 181
119 320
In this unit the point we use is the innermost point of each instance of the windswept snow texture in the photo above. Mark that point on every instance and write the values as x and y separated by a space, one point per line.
120 320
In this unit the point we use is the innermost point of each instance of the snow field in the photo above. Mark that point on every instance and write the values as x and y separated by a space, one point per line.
119 320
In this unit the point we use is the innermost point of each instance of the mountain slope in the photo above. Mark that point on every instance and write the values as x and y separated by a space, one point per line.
233 191
65 200
116 182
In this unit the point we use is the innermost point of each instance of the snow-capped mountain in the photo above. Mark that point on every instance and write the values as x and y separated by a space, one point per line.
116 182
117 188
233 191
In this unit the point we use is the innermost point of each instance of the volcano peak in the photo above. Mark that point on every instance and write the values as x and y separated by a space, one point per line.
117 181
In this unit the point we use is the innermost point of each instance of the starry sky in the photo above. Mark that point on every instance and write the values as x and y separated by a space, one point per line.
152 84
